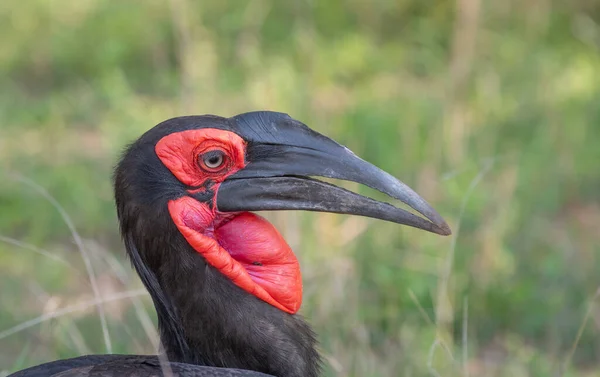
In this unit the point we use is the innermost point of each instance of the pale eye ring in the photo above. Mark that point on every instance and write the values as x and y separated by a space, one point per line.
213 159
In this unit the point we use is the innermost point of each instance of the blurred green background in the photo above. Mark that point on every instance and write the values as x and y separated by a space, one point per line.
489 109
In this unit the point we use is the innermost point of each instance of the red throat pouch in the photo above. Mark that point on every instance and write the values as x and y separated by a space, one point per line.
246 248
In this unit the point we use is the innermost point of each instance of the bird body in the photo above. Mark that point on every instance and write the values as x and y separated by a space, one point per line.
128 366
225 284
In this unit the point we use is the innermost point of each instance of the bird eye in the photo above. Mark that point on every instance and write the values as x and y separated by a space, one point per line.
212 160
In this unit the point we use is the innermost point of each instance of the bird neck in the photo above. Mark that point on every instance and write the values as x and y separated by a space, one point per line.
205 319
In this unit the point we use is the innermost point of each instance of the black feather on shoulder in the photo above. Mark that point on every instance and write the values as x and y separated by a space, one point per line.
128 366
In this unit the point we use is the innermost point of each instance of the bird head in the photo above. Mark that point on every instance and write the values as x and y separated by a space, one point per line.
209 172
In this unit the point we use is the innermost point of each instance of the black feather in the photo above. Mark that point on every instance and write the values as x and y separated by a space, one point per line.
127 366
222 325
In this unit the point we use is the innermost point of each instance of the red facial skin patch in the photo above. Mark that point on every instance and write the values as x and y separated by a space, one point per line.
254 243
179 152
244 247
247 249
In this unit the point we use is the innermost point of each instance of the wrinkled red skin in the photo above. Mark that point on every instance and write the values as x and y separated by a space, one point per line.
243 246
179 153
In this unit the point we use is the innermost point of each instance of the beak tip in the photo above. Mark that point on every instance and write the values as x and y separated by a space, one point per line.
445 230
441 227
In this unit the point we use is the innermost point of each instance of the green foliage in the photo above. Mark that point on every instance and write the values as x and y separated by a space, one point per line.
488 109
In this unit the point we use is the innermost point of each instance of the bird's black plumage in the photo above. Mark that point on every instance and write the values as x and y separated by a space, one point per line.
203 317
128 366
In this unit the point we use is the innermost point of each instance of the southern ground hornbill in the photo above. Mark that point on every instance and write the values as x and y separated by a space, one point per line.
225 284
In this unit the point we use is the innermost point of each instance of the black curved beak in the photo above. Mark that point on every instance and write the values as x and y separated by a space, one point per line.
277 177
